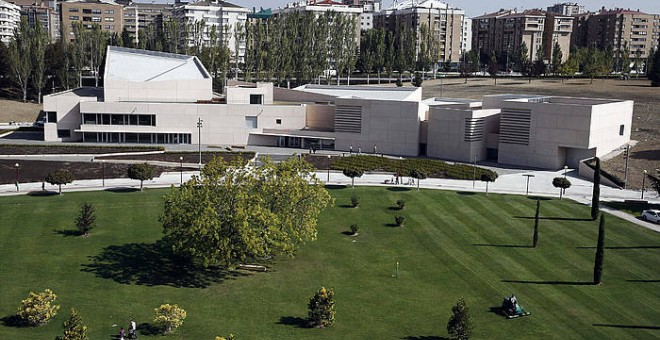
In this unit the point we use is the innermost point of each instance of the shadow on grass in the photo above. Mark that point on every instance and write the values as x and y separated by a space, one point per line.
466 193
394 208
293 321
392 225
122 189
335 187
567 283
153 264
14 321
425 337
148 329
398 189
539 198
67 232
349 206
631 247
626 326
555 218
501 245
644 281
42 193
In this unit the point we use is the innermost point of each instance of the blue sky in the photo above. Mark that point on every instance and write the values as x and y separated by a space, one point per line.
479 7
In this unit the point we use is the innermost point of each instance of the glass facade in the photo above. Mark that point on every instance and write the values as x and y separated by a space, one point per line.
136 138
118 119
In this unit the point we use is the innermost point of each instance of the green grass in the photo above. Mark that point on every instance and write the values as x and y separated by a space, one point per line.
452 245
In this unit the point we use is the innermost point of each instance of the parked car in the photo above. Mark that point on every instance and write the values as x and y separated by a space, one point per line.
651 215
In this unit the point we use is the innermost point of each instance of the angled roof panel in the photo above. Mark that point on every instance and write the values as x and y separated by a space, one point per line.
145 66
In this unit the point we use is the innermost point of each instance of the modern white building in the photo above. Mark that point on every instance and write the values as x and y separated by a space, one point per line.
466 35
10 17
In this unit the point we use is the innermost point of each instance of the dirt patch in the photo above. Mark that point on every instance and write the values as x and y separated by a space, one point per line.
646 114
15 111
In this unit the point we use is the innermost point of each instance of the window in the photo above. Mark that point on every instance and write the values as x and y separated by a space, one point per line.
251 122
87 11
74 17
96 19
621 129
63 133
256 99
278 121
109 11
51 117
74 10
96 11
110 19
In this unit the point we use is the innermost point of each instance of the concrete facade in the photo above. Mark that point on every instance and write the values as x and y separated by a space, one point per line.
10 16
107 14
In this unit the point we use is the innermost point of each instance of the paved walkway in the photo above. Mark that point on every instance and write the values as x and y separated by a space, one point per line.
510 182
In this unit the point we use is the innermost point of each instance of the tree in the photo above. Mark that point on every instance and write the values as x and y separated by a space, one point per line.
591 64
654 182
322 308
232 213
562 183
20 63
600 251
571 66
59 177
539 67
86 219
352 173
169 317
557 56
654 70
625 59
419 175
141 172
488 177
39 43
74 329
38 308
459 324
418 80
595 196
536 223
493 66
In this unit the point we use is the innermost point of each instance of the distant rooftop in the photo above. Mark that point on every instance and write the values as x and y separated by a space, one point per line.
364 92
144 66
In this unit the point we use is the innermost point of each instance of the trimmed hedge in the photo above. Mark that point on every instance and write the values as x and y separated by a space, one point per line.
405 167
591 163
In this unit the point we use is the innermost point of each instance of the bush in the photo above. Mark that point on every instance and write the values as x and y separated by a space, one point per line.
86 219
38 308
400 204
169 317
322 308
418 80
399 82
398 219
355 200
459 324
74 329
354 229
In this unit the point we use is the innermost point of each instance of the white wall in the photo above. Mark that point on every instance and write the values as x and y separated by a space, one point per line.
180 91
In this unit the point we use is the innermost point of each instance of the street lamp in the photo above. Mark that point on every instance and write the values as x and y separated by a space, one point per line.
181 169
643 179
328 169
565 168
199 134
16 166
527 189
474 171
103 173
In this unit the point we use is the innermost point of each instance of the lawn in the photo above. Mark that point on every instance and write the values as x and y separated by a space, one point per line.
452 245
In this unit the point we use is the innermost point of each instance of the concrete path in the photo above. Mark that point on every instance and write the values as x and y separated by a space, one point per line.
511 182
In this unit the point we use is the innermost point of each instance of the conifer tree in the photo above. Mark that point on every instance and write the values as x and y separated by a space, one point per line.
459 324
600 249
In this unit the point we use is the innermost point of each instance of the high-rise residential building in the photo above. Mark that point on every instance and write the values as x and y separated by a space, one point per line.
445 24
369 9
10 16
616 29
466 35
504 33
47 17
139 16
227 18
567 8
108 15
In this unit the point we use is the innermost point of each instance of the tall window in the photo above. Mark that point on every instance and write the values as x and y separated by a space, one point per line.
256 99
621 129
251 122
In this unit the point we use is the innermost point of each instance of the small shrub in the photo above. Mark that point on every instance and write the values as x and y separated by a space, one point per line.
74 329
229 337
354 228
460 324
322 308
398 219
399 82
38 308
400 204
169 317
86 219
355 200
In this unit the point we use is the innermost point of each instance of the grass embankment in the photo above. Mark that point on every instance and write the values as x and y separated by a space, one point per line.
452 245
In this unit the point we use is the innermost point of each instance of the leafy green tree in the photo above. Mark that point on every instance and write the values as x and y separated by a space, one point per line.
399 219
355 200
460 323
39 41
74 329
561 183
539 67
493 66
141 172
352 173
595 196
654 70
488 177
600 251
535 239
654 182
419 175
638 62
522 59
367 52
557 56
231 212
322 308
571 66
86 219
38 308
59 177
417 80
19 52
625 59
470 63
169 317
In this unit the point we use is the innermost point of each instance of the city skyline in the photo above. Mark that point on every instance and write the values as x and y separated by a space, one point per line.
475 8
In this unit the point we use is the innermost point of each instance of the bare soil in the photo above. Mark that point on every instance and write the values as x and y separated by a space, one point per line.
646 114
16 111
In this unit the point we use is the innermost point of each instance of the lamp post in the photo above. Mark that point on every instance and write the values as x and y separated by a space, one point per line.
181 168
527 189
643 180
199 140
103 173
17 179
565 169
328 169
474 171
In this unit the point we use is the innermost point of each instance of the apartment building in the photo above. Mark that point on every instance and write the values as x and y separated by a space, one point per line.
106 13
617 28
466 35
567 9
47 17
226 18
446 24
10 17
139 16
